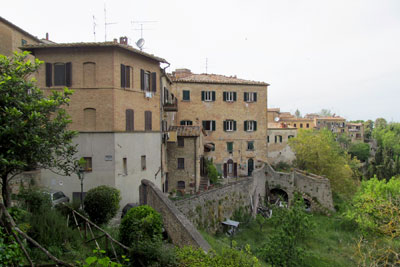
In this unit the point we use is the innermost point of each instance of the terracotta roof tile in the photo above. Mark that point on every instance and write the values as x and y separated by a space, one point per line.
214 78
186 130
92 44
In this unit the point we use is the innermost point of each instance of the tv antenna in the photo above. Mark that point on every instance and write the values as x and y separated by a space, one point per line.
94 27
140 43
206 65
106 23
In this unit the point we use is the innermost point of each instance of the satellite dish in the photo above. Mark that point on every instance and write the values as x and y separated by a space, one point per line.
140 43
276 119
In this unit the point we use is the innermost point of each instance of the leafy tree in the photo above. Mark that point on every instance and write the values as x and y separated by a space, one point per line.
10 252
318 152
360 150
297 113
212 172
368 127
380 123
102 203
33 127
325 113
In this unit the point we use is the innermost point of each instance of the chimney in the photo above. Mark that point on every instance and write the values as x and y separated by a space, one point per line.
181 73
115 41
123 40
47 36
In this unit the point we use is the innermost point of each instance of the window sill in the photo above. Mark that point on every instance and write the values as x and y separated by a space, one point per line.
183 100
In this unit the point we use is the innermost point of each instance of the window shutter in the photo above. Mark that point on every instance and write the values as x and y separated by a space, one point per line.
147 118
183 123
154 82
224 96
224 125
68 74
234 125
213 95
245 125
49 68
255 125
213 125
142 80
225 170
245 96
234 96
128 76
123 76
255 97
129 120
202 95
235 169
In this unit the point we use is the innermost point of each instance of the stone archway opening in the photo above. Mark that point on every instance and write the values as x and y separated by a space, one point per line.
279 197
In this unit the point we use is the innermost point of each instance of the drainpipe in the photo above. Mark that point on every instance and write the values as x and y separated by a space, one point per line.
161 120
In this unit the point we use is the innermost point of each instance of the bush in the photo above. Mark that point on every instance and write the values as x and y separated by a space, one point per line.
212 172
35 200
10 252
102 203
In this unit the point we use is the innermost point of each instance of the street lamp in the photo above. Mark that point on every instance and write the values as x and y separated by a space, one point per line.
81 176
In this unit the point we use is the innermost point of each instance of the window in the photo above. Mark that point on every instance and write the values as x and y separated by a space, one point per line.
125 166
229 147
268 139
250 97
250 145
89 74
89 119
229 125
23 42
301 125
181 163
209 125
295 125
143 162
308 125
290 136
88 164
181 141
278 138
181 185
207 95
186 95
186 122
250 126
229 96
147 121
148 81
129 120
125 76
62 74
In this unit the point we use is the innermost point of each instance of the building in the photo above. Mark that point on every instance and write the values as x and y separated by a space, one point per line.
185 159
12 37
232 112
335 124
355 131
278 136
118 109
275 115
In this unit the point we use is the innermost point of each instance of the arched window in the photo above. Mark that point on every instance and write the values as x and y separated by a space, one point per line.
89 74
89 119
181 184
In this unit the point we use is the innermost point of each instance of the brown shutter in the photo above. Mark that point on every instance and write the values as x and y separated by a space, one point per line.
68 74
147 118
154 82
235 169
49 68
122 75
225 170
128 76
129 120
142 80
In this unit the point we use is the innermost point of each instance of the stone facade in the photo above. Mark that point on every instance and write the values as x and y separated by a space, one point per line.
355 132
198 110
278 147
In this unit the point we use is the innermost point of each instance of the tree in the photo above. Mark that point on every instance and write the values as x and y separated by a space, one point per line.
297 113
380 123
325 113
368 127
33 127
359 150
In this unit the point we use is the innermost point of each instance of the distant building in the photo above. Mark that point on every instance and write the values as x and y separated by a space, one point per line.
355 131
277 139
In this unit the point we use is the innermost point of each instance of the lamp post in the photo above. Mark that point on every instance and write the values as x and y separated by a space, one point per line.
81 176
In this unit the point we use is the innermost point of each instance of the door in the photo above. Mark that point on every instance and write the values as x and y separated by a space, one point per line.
250 167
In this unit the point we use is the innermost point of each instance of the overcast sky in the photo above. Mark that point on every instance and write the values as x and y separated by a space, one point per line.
342 55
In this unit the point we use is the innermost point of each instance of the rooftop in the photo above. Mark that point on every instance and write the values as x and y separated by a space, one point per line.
280 125
187 130
32 47
186 76
19 29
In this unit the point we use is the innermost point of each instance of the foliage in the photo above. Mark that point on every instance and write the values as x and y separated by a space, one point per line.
101 260
325 113
33 127
282 166
292 226
359 150
376 207
297 113
10 252
34 200
317 152
188 256
368 128
212 172
377 253
102 203
261 221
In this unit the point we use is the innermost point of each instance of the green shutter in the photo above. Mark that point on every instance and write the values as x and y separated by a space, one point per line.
245 125
234 125
224 125
255 97
234 96
213 95
224 96
213 125
204 125
202 95
255 125
245 96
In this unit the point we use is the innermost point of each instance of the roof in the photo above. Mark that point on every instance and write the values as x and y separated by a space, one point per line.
187 130
12 25
280 125
92 44
215 78
331 118
354 124
274 109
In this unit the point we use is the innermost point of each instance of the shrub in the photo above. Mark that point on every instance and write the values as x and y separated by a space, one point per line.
35 200
212 172
102 203
10 252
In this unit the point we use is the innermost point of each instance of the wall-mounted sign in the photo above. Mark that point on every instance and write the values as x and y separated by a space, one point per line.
108 158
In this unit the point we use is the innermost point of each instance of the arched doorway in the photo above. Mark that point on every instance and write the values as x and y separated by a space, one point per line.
278 197
250 167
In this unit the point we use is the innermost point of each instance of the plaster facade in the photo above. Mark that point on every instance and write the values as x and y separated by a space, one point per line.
278 147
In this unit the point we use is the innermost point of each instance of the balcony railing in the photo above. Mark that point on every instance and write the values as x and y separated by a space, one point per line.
171 105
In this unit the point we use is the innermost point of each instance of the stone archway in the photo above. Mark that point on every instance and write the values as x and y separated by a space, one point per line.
278 196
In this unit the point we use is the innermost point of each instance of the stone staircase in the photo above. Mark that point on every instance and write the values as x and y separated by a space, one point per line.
204 183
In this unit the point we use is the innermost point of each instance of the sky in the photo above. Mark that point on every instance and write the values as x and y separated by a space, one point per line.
341 55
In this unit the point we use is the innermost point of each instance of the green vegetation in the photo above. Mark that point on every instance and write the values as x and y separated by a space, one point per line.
102 203
33 131
360 150
212 172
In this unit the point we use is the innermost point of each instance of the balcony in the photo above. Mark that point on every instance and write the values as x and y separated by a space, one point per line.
171 105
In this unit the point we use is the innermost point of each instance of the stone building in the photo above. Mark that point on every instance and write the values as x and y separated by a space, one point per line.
185 159
277 140
275 115
355 131
335 124
118 109
232 112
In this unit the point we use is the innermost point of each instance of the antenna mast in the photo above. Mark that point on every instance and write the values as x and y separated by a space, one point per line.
206 65
106 23
140 42
94 28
